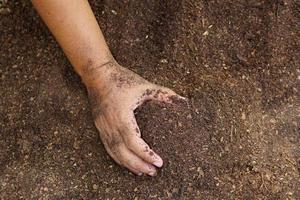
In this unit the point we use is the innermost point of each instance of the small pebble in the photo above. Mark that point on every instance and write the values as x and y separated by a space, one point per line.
243 116
95 186
205 33
164 61
114 12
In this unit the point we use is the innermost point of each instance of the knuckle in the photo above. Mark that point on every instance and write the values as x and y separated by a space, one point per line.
131 142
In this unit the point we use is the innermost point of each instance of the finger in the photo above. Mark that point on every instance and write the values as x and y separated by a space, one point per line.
142 149
116 158
132 138
132 161
162 94
134 171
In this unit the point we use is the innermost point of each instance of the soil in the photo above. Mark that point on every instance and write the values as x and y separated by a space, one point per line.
238 138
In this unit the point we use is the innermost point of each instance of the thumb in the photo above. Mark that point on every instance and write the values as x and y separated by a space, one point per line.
163 94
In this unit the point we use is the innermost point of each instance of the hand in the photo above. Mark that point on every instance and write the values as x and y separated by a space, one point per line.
114 93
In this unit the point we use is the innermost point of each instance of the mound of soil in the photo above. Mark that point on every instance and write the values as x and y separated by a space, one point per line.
179 134
238 138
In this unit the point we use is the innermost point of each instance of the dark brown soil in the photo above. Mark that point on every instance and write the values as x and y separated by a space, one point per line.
237 62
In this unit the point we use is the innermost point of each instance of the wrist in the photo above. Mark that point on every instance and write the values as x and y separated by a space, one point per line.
96 74
91 63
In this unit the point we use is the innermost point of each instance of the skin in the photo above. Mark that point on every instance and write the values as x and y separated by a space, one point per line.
114 91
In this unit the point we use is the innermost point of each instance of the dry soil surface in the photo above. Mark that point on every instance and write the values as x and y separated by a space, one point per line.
238 138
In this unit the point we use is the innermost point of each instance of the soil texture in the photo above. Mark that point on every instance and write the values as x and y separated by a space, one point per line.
237 61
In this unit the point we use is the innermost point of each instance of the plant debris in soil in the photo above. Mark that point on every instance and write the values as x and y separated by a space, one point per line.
238 138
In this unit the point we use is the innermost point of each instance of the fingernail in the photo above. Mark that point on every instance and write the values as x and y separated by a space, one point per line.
152 173
158 163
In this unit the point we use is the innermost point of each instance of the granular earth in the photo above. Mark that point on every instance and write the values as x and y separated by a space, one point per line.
237 138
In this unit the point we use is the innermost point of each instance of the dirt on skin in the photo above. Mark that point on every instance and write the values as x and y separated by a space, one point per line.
237 62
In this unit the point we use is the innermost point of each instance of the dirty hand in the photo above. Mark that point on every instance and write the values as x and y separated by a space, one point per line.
114 93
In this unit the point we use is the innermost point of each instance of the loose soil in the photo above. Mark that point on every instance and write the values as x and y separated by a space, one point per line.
237 138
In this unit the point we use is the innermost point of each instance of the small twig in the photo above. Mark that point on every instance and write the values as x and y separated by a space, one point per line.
231 134
277 9
290 161
262 182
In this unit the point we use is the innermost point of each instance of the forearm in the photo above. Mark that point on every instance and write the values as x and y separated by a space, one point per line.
74 26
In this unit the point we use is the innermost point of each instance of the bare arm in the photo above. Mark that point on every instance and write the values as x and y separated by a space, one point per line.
114 91
75 28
